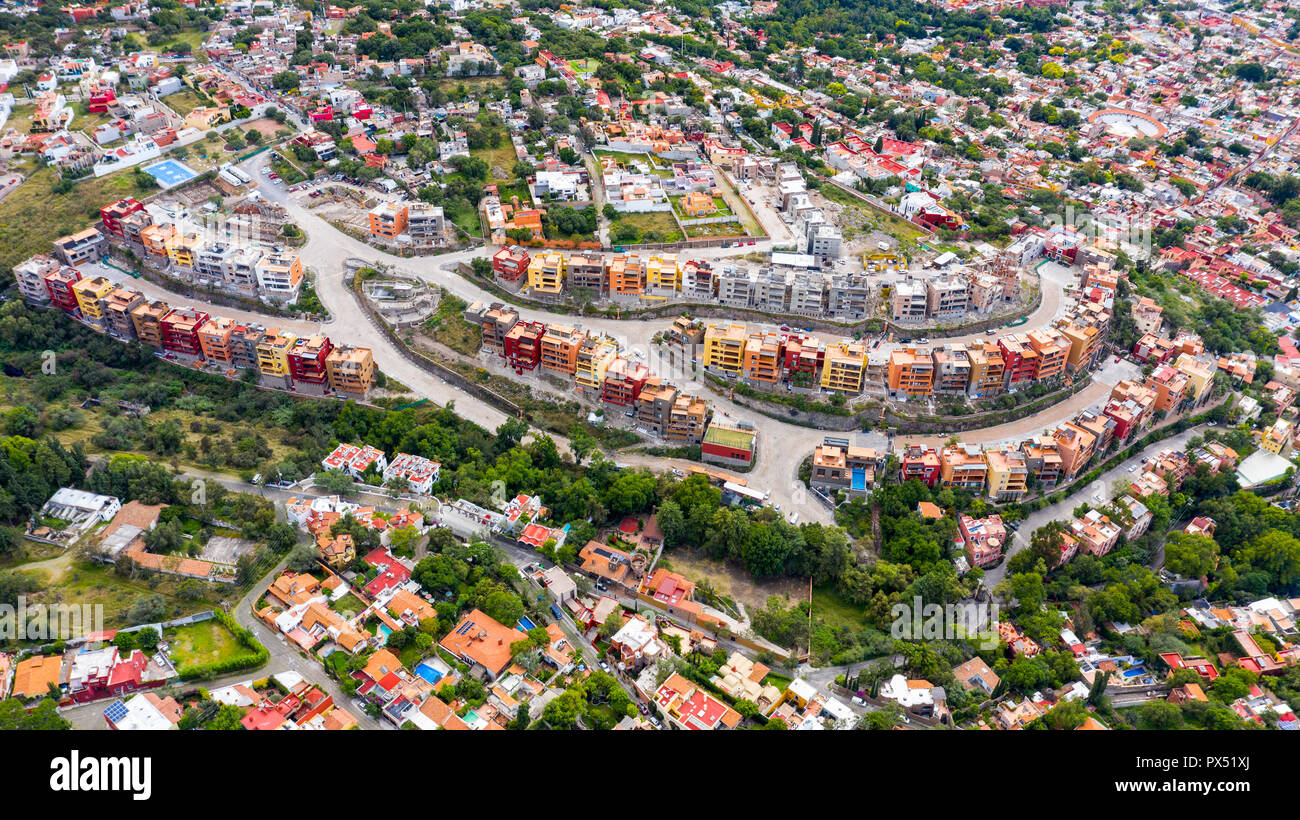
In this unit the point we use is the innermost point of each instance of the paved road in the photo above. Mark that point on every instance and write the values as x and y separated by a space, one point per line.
781 445
1098 492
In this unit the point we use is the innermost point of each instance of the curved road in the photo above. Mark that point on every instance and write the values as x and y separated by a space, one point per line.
782 446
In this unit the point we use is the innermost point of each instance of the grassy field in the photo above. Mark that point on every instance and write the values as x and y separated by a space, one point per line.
202 643
501 160
660 223
448 326
348 603
33 216
716 229
184 101
68 579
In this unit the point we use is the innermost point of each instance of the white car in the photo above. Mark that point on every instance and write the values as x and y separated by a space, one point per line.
1133 469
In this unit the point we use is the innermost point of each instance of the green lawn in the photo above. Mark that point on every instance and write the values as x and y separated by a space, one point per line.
202 643
348 603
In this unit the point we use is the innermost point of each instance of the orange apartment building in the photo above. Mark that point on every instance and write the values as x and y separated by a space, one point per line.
389 219
1075 446
627 275
1043 459
911 372
1170 385
147 319
763 357
986 369
560 347
350 369
963 467
1053 351
1085 342
215 338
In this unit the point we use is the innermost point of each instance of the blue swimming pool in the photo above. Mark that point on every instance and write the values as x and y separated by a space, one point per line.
859 478
170 173
1133 673
525 624
427 672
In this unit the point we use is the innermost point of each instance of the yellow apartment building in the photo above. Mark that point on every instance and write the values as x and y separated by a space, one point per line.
845 367
89 292
724 348
273 352
546 273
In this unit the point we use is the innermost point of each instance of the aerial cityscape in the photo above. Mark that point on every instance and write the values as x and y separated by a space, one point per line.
657 365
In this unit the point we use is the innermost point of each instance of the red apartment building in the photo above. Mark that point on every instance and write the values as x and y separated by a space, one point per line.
112 215
523 345
1019 360
180 330
511 263
307 359
58 283
623 382
922 464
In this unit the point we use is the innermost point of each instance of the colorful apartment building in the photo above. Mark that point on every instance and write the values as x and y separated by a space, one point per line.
844 367
910 372
111 216
987 370
1019 359
1075 446
627 275
180 330
560 347
724 348
623 383
594 359
1278 438
351 370
763 356
663 274
307 359
182 247
963 467
215 339
511 264
523 345
920 464
58 284
1008 474
147 320
1170 385
273 353
546 273
389 219
90 294
1053 350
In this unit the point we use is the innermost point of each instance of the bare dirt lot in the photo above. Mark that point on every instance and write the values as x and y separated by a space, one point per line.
735 583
